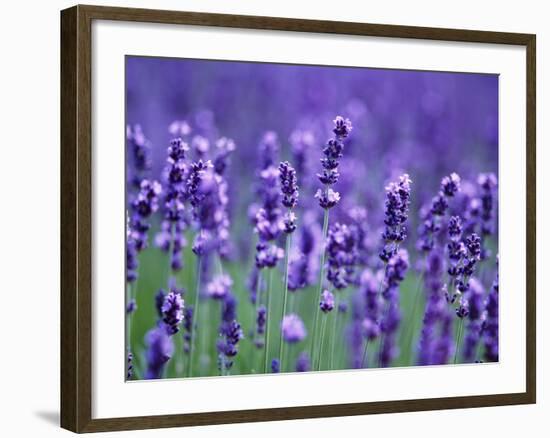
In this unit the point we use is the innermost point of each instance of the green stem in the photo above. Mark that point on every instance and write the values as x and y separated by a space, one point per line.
205 333
169 264
285 294
412 321
320 289
289 352
320 351
458 338
479 348
268 318
332 334
195 317
128 318
291 299
384 315
365 360
255 307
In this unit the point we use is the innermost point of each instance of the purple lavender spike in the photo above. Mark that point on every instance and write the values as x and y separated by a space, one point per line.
159 351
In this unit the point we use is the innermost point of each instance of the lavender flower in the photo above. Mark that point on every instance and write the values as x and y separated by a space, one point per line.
428 229
228 312
450 185
398 195
373 302
332 152
359 228
233 334
270 195
200 146
129 365
371 328
268 223
159 351
208 196
293 329
303 268
159 301
266 229
490 327
219 287
253 283
131 307
388 349
146 201
303 363
224 148
196 176
487 183
289 188
229 347
341 255
172 312
179 128
187 327
131 260
431 216
396 269
268 150
327 301
328 198
462 310
143 206
260 320
301 142
435 308
475 298
463 256
444 346
170 237
267 256
455 227
355 339
139 152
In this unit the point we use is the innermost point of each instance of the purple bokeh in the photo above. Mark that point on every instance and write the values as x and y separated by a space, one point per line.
426 124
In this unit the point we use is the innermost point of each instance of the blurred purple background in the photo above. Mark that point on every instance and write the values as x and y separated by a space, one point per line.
427 124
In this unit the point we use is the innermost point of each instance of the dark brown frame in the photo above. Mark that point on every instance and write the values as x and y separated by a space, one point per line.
76 226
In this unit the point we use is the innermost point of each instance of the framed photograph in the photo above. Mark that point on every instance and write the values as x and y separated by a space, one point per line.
268 218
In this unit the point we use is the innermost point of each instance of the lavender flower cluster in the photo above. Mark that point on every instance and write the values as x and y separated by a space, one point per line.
280 252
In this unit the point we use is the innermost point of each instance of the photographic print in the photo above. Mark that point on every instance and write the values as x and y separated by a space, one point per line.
300 218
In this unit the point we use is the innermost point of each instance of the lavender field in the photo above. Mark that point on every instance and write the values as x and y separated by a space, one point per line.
291 218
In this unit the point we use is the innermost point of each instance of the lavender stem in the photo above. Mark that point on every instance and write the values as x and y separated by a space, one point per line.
365 360
458 338
129 319
384 312
412 321
255 309
195 317
285 295
333 332
268 318
318 295
323 329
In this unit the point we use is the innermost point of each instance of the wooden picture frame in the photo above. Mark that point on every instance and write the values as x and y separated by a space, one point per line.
76 217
